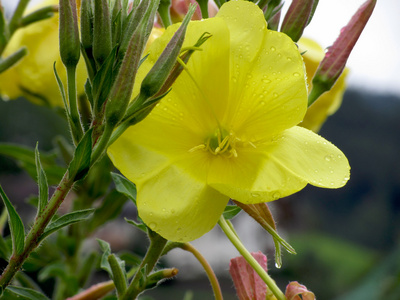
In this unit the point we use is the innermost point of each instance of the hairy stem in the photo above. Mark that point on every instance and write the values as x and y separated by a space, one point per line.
157 244
32 239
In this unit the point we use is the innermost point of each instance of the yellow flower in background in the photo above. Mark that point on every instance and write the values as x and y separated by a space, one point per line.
33 77
226 130
329 102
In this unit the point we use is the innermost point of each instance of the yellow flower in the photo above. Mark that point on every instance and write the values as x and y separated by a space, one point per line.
226 130
329 102
33 77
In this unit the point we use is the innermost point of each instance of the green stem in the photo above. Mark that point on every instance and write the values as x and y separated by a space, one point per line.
206 266
250 259
16 18
157 244
76 125
102 144
33 237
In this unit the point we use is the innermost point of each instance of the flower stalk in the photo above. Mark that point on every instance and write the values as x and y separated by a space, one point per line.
232 236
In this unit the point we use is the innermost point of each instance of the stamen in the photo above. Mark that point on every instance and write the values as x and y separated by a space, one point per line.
198 147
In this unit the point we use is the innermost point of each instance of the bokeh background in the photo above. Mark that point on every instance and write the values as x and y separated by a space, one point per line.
347 240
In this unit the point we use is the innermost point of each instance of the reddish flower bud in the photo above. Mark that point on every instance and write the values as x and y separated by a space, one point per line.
294 289
335 59
248 283
297 18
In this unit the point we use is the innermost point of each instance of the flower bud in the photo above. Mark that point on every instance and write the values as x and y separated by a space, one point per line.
297 18
121 90
248 283
335 59
102 41
69 34
294 289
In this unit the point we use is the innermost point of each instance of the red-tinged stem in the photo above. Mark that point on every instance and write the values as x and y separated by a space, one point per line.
32 240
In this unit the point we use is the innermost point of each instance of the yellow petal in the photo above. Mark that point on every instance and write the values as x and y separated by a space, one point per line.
199 95
311 158
280 167
178 206
253 177
172 194
268 92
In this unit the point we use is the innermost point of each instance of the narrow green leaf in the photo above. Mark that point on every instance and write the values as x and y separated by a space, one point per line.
124 186
65 220
13 59
16 292
231 211
16 225
102 81
62 91
106 249
26 159
42 182
80 163
141 226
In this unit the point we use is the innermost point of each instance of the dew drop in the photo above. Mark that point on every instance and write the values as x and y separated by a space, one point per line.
273 48
152 225
339 156
266 81
295 74
276 195
275 95
289 58
255 195
278 266
328 157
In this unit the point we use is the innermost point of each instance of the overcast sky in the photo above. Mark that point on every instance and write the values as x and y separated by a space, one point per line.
375 60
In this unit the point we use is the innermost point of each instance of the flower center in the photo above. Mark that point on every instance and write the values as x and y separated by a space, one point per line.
220 142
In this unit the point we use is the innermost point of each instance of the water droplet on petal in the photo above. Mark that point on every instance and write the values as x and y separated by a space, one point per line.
295 74
152 225
328 157
276 195
255 195
273 48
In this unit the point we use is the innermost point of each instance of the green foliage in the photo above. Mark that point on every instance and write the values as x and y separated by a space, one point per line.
15 292
110 209
42 182
79 166
124 186
26 158
231 211
16 225
65 220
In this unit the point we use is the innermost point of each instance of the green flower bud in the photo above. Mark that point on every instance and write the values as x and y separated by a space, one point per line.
102 40
69 34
